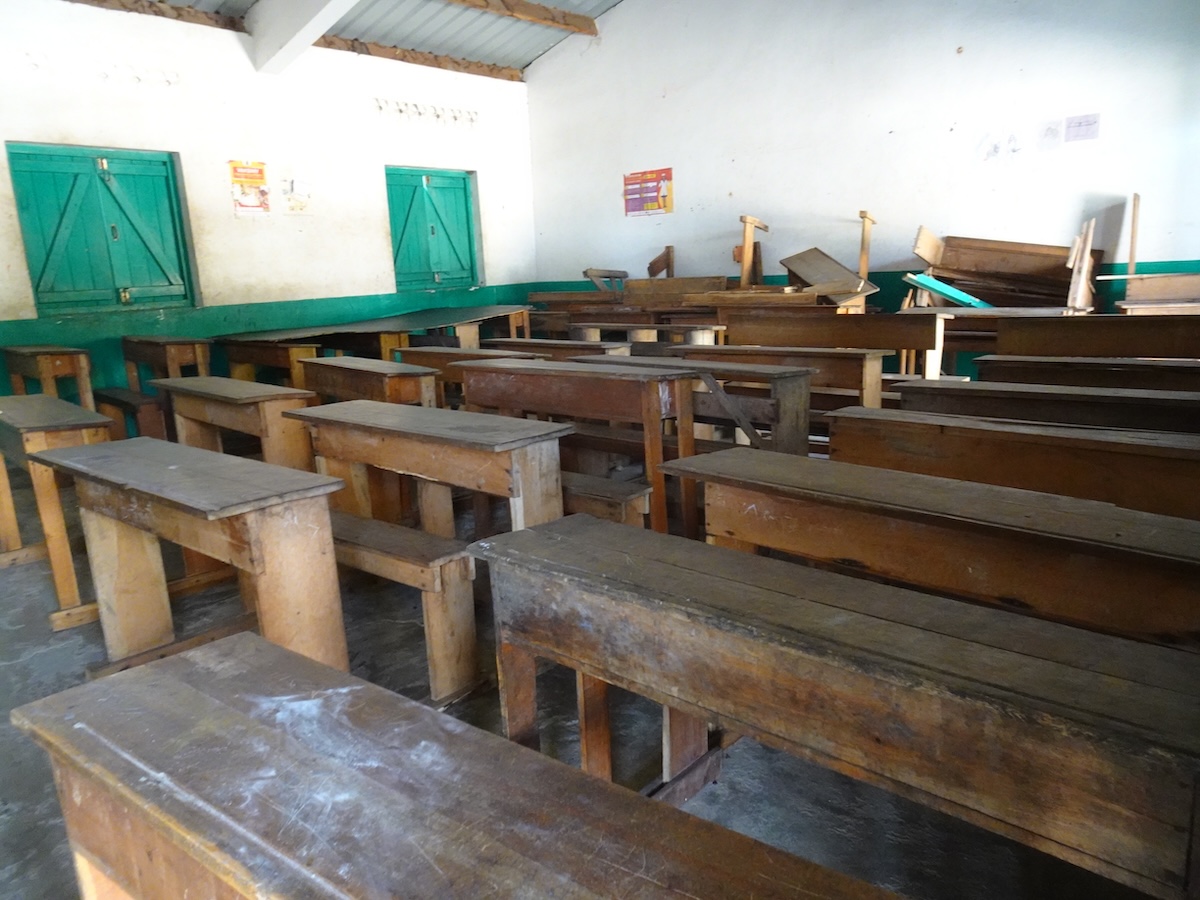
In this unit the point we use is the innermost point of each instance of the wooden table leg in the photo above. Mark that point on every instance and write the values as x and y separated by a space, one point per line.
450 643
595 730
194 433
285 442
296 589
516 670
355 497
83 383
436 503
468 336
687 447
652 438
10 531
537 478
685 740
54 526
131 585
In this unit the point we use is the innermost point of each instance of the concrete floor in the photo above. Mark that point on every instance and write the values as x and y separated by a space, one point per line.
764 793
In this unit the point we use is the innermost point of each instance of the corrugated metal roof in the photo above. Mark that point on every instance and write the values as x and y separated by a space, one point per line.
435 26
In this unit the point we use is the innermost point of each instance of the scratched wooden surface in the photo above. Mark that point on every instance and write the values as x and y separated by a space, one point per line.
281 777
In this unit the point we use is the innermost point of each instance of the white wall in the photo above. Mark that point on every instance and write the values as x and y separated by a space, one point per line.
73 74
802 112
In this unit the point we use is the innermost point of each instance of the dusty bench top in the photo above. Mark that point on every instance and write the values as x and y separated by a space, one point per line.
293 780
41 412
198 482
229 390
444 426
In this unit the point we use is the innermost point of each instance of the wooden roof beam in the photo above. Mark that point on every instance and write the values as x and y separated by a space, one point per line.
535 13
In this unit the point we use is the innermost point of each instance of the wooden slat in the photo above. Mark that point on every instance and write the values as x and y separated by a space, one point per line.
1152 336
1096 371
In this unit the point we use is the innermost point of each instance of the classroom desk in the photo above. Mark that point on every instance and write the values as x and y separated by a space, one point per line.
379 337
204 405
687 333
971 330
164 356
246 357
1095 335
241 770
29 424
1082 562
47 364
361 378
502 456
1153 471
559 350
441 358
1093 371
642 395
1068 404
1082 745
773 396
271 523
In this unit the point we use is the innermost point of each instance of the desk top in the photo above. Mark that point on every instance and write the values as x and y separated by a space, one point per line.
706 352
423 319
478 431
229 390
551 367
726 370
1052 517
367 364
1099 362
299 781
42 350
1184 400
198 482
40 412
534 344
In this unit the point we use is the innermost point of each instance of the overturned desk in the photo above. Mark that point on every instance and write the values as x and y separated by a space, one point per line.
269 522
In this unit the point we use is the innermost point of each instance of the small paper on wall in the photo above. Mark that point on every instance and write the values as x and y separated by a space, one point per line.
248 183
649 193
297 194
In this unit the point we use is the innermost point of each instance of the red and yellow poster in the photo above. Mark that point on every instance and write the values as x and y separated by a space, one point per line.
649 193
248 181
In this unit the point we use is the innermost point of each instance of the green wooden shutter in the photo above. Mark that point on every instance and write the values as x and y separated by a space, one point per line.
102 228
433 228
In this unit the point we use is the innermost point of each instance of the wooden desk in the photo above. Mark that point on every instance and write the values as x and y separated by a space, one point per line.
247 357
1115 335
241 770
1093 371
29 424
970 330
559 350
501 456
643 395
875 331
359 378
835 370
1081 745
269 522
1066 404
1153 471
687 333
204 405
1078 561
47 364
165 356
771 396
441 358
379 337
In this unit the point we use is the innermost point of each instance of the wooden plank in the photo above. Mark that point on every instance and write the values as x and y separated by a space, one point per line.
1096 371
439 794
1152 336
229 390
1107 407
558 350
1152 471
1174 286
1048 751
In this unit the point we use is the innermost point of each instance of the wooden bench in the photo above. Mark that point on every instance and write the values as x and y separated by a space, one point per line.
442 570
1083 562
1153 471
440 359
879 331
361 378
1093 371
242 770
970 330
146 411
1082 745
1146 410
1115 335
247 357
46 364
558 350
678 332
164 356
627 502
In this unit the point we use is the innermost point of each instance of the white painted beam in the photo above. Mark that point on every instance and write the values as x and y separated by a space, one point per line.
283 29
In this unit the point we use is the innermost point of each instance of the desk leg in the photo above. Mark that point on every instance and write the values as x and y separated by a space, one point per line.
58 548
296 591
685 740
355 497
243 371
595 731
285 442
18 384
131 585
450 632
537 483
193 433
652 439
436 503
685 425
83 383
10 531
516 671
468 336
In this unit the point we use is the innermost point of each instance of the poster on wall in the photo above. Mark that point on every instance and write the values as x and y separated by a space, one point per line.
649 193
248 182
296 195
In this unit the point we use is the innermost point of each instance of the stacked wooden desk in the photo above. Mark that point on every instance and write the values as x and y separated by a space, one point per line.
269 522
29 424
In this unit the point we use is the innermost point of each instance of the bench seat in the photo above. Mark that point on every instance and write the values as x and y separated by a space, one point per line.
145 409
442 570
627 502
